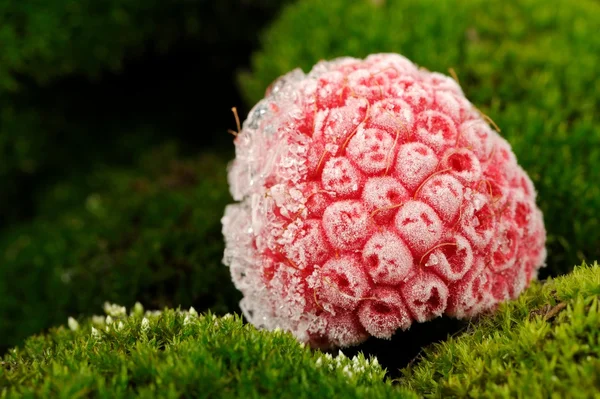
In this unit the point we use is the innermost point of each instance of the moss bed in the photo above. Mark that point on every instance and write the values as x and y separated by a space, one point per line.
545 343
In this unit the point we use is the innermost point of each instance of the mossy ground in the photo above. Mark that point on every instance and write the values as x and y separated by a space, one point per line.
547 343
529 65
177 354
150 234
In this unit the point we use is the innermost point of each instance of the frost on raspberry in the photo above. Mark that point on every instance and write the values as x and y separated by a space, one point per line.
373 195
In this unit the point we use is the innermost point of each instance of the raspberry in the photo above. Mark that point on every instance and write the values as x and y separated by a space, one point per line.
371 195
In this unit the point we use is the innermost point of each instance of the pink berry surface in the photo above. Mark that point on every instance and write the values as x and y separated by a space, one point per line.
371 194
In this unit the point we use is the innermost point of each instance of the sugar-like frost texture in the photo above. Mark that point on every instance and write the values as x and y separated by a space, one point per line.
372 195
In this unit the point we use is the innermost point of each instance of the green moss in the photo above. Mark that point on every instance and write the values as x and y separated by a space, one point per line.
545 344
177 354
151 234
530 66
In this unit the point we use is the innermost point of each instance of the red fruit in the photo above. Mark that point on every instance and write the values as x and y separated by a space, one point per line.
373 195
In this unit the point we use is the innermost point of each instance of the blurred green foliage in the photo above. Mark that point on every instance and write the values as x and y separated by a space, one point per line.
532 66
45 40
150 233
75 74
41 144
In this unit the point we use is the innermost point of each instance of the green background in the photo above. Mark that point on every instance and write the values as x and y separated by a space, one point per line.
114 148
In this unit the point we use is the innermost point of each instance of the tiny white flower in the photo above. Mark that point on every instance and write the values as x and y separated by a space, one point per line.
107 328
98 319
73 324
138 308
187 320
109 320
120 326
192 311
112 309
153 313
95 333
319 361
145 324
228 316
347 371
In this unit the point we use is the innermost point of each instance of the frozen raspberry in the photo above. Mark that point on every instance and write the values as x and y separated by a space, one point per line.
371 195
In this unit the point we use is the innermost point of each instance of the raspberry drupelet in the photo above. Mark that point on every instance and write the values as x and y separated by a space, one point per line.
371 195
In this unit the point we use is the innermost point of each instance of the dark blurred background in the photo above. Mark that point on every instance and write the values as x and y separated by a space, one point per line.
86 82
114 145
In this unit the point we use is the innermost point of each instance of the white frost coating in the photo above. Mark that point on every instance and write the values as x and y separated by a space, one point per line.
415 161
383 196
463 164
426 296
452 259
317 199
370 150
443 84
394 62
419 225
254 162
472 294
359 80
290 287
310 248
393 116
372 194
436 130
343 282
500 287
345 331
384 314
448 103
338 123
417 96
519 284
387 259
477 134
478 220
522 180
443 193
347 224
505 246
341 177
